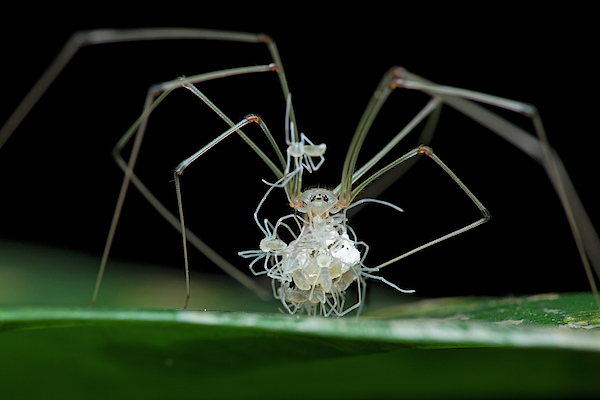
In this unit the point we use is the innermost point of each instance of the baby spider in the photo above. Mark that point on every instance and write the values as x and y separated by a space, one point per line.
301 153
270 245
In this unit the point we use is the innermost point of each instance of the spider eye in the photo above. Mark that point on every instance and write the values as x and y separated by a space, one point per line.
326 198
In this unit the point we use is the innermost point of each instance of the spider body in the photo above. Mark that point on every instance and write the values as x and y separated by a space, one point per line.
313 271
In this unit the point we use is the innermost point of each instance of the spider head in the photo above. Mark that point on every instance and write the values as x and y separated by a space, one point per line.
318 202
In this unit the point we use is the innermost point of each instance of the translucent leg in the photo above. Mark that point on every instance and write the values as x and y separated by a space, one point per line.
424 150
537 147
179 171
101 36
155 96
153 99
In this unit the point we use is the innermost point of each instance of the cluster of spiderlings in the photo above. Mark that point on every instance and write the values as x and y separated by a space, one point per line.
311 273
316 269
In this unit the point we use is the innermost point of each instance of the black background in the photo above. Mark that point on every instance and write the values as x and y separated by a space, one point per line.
59 183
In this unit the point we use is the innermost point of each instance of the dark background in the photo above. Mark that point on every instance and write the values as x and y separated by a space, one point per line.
59 183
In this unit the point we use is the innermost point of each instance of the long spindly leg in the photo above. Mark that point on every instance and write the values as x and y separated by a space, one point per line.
536 146
155 95
187 162
427 151
179 171
349 179
188 83
103 36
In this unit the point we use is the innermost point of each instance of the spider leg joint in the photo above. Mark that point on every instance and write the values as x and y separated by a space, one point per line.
397 72
425 150
263 37
253 118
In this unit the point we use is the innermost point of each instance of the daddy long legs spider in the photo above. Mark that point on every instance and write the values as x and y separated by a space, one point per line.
445 97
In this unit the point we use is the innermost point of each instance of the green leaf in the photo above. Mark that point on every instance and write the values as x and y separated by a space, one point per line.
107 353
518 347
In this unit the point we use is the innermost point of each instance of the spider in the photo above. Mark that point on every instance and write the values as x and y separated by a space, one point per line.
308 209
312 273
